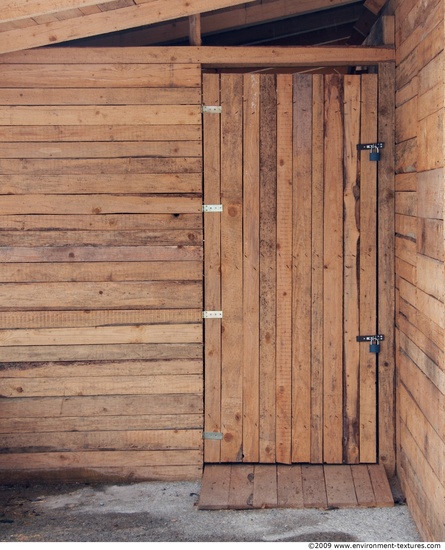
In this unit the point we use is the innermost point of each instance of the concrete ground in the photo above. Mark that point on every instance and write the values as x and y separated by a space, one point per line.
156 511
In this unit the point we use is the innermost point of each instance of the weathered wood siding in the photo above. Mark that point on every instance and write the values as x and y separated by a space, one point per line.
100 267
420 77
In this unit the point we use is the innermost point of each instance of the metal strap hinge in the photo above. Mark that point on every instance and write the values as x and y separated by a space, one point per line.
215 109
212 435
212 314
212 207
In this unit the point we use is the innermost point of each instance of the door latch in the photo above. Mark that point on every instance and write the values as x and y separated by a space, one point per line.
374 149
374 341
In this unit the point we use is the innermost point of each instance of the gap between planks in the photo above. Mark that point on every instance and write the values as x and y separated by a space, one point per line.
250 486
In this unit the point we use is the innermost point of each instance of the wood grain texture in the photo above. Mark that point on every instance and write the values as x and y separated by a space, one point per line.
96 380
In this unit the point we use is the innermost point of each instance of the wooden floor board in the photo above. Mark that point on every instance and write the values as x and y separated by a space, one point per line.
340 489
247 486
290 486
241 487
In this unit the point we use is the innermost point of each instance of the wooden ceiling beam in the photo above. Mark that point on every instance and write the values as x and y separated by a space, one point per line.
145 13
208 56
232 18
289 27
18 9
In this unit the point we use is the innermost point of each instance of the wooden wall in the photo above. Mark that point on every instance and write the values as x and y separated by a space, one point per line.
420 80
100 267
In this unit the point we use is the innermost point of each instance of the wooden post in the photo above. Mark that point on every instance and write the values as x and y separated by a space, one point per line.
195 38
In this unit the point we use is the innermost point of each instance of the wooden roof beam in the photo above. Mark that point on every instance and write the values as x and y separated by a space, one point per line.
214 56
18 9
146 12
238 17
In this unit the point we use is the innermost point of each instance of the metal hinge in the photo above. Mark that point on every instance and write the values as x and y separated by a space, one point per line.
215 109
212 435
212 314
212 207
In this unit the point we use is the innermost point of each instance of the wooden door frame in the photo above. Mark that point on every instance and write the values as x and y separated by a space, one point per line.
386 451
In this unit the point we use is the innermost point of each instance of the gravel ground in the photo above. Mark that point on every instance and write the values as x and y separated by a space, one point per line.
167 512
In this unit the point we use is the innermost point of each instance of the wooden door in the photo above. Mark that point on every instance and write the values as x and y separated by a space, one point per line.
291 263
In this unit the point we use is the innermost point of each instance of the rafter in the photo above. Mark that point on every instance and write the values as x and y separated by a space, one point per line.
145 13
238 17
18 9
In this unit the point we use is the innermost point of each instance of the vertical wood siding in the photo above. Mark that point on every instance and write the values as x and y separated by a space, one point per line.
100 270
420 260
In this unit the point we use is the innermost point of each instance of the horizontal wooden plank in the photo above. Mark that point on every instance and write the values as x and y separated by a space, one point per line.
164 149
98 204
100 222
104 133
97 385
426 437
101 407
99 254
406 249
424 363
91 318
156 294
430 237
406 203
100 96
101 368
430 273
98 459
100 114
113 352
406 226
430 194
167 237
100 75
135 334
86 184
100 271
126 440
260 56
117 474
104 423
55 167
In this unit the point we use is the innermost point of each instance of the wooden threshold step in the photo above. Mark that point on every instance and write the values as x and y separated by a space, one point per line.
250 486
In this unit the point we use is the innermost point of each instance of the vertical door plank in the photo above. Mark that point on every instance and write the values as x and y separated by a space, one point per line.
231 267
284 270
265 486
268 164
212 268
317 270
241 487
368 284
290 486
251 269
333 271
302 269
351 259
386 284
